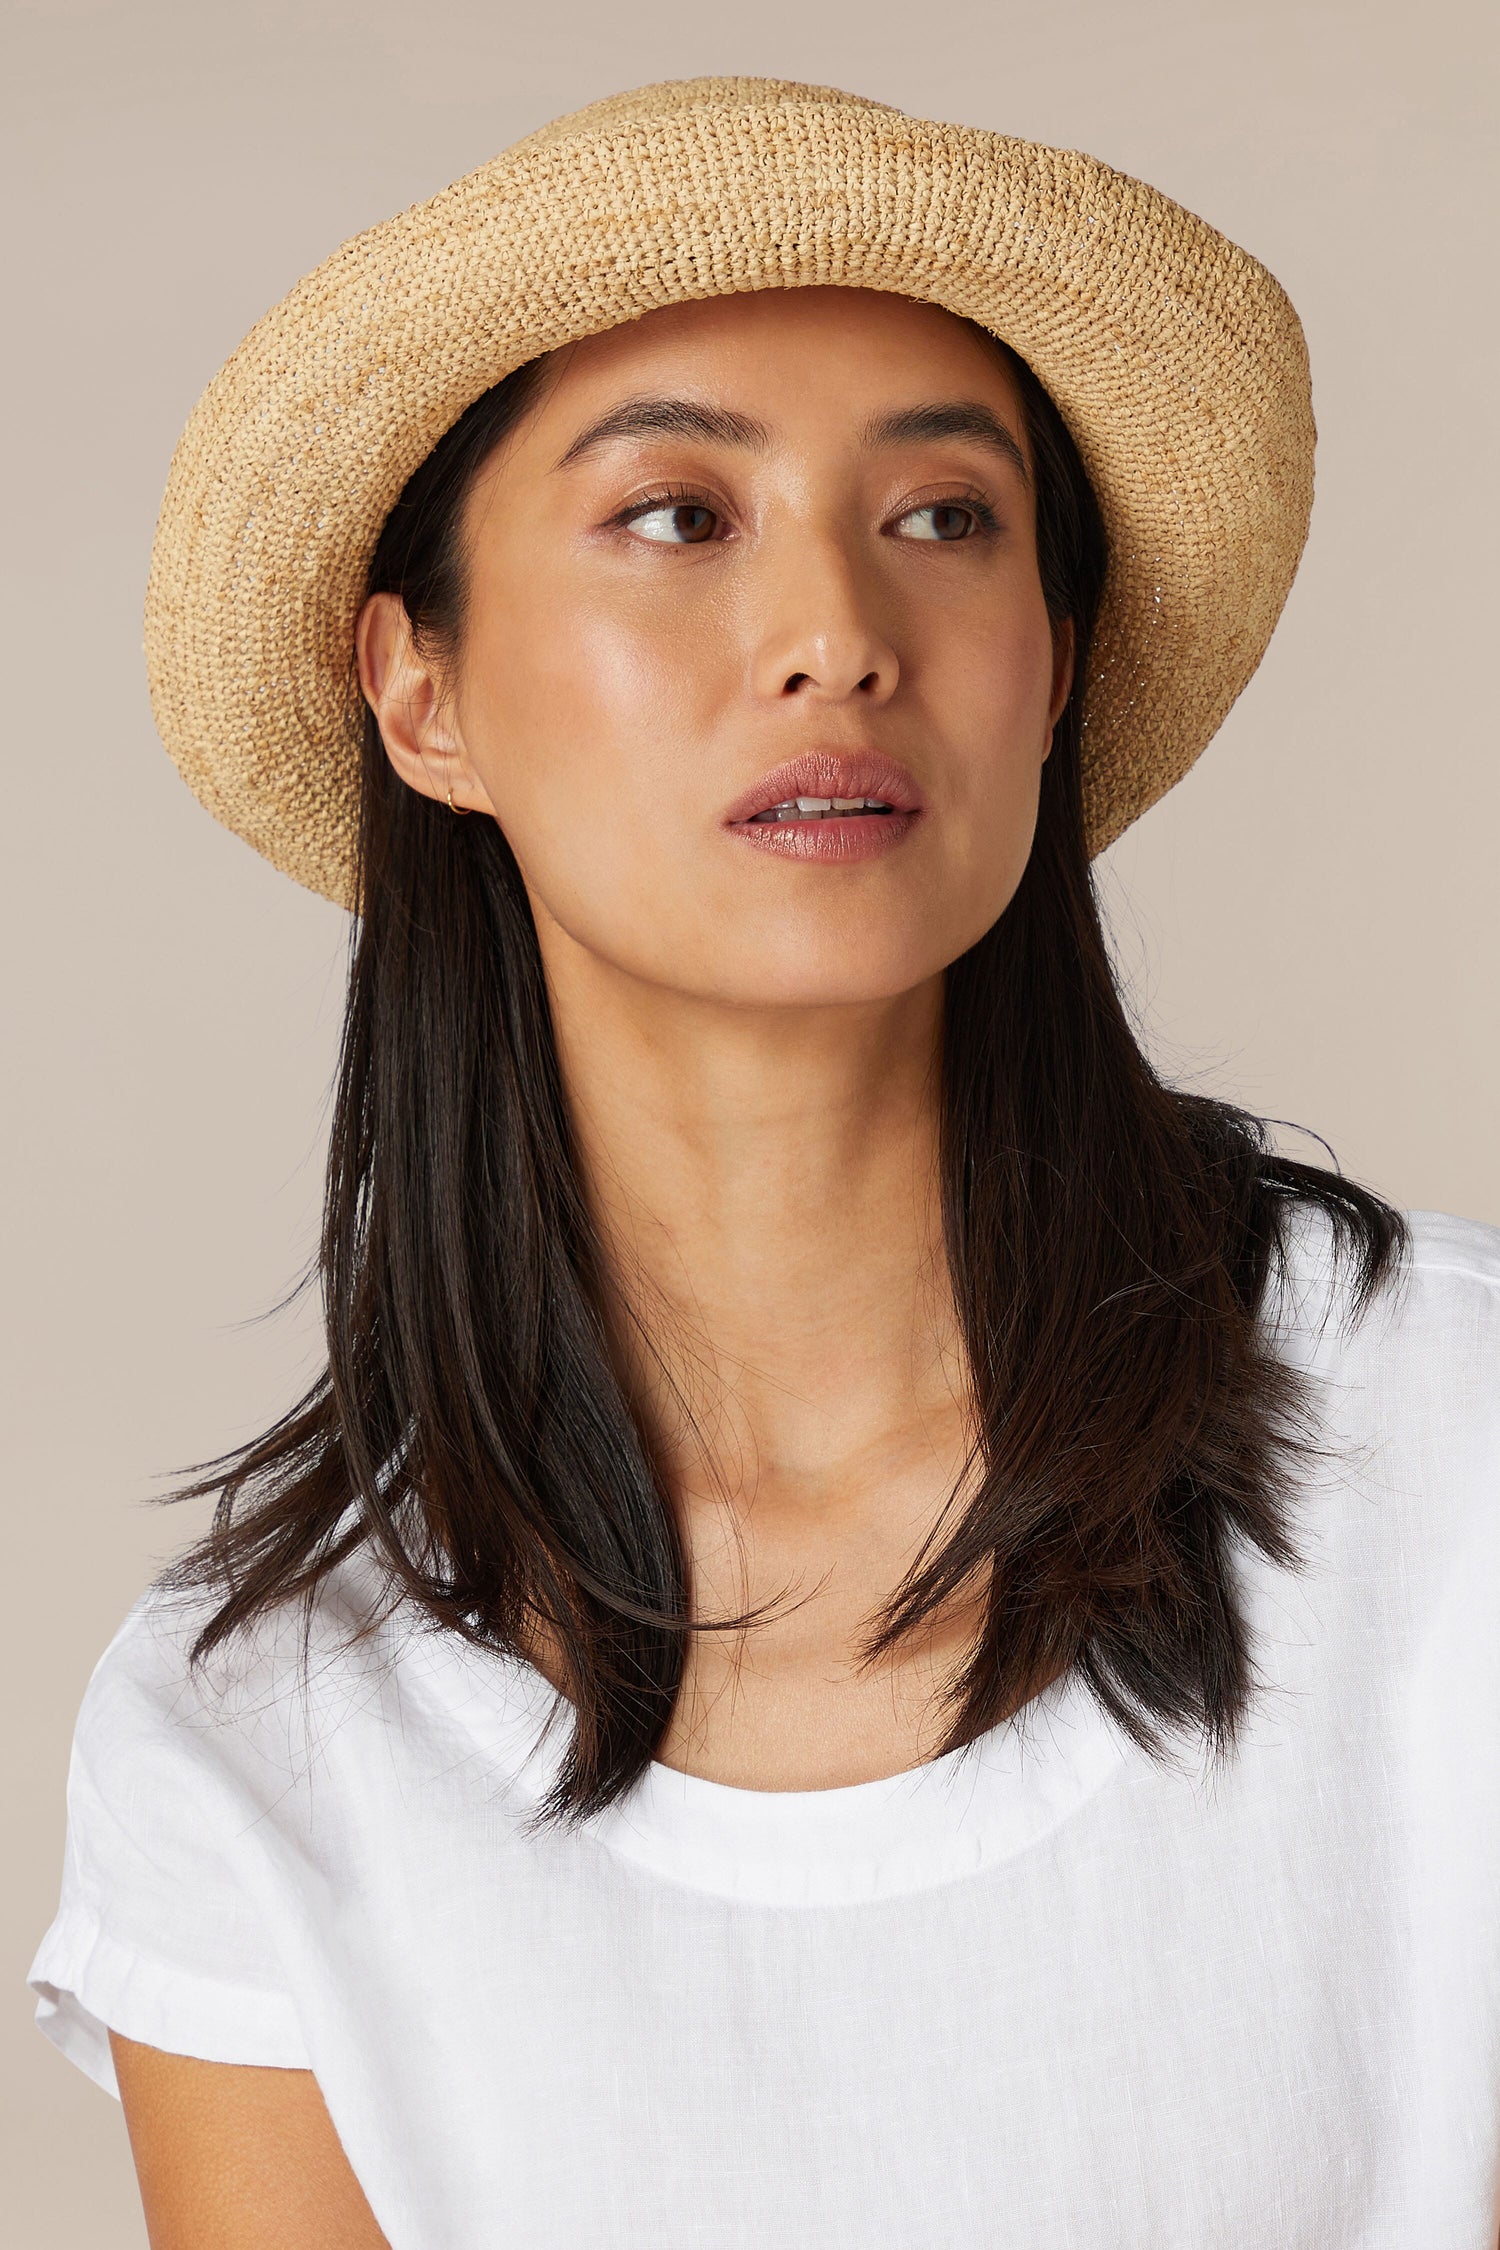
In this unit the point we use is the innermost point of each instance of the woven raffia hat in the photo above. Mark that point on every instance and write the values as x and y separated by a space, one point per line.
1176 361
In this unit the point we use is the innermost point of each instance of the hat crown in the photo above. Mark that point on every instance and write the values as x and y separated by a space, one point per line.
646 105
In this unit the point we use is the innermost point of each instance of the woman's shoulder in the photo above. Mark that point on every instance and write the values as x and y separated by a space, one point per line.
1441 1281
1409 1374
153 1669
1394 1498
1442 1297
1434 1331
1406 1374
1443 1336
1463 1249
351 1673
188 1785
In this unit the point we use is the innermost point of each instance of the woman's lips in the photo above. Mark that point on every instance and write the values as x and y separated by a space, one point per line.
844 838
834 805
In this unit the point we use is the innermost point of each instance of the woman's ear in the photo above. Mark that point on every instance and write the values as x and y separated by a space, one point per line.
1064 646
416 721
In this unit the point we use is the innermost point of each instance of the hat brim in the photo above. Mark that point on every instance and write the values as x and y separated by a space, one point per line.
1176 360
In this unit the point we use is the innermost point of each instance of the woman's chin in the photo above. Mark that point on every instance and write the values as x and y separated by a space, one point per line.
809 982
754 953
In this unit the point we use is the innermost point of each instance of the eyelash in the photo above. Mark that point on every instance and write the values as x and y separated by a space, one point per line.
678 496
681 497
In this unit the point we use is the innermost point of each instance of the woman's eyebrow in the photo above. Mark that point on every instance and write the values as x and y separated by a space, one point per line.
667 417
957 418
653 416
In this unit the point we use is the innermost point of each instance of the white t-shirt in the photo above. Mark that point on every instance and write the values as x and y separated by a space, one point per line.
1043 1993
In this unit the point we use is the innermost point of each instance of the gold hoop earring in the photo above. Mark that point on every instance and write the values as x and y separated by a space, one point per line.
462 811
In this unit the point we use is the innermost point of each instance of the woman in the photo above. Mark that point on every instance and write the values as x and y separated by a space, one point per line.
877 1630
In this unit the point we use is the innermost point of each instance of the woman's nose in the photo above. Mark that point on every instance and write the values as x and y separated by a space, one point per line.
820 637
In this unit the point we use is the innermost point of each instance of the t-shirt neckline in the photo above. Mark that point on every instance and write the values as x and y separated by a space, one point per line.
932 1824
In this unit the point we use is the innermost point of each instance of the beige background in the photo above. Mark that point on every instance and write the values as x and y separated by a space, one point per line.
1309 921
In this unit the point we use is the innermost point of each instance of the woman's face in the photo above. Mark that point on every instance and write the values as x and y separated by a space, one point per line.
744 560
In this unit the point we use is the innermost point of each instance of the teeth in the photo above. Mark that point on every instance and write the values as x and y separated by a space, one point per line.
822 808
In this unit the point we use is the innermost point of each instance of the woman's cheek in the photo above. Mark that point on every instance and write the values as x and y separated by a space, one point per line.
590 753
604 689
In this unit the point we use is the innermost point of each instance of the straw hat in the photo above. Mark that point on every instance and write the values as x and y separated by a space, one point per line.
1176 361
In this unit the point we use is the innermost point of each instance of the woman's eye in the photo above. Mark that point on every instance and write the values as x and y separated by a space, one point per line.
680 523
943 519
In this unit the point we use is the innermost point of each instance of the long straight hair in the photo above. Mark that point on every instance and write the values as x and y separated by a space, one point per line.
1110 1241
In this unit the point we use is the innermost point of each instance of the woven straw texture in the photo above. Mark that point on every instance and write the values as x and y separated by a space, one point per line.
1176 360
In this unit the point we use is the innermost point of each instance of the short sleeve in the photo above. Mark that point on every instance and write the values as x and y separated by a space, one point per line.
165 1927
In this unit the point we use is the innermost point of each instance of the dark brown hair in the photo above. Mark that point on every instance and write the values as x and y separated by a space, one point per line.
1110 1238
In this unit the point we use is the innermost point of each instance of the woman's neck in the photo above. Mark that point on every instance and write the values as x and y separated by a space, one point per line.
765 1185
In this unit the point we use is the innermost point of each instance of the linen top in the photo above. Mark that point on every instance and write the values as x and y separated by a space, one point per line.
1045 1991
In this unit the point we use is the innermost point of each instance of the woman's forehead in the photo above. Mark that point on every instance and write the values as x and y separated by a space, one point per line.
753 326
781 345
